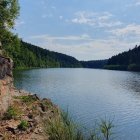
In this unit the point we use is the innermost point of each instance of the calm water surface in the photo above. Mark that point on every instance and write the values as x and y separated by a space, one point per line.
90 95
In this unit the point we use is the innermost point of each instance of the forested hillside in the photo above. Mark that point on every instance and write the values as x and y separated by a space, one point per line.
97 64
26 55
129 60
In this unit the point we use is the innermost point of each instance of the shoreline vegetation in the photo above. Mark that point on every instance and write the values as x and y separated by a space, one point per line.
65 129
127 61
131 67
25 116
28 56
29 117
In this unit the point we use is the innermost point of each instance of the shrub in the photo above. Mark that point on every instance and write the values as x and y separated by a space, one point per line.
11 113
23 125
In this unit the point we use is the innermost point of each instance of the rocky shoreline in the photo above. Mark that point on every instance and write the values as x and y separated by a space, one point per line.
22 114
26 107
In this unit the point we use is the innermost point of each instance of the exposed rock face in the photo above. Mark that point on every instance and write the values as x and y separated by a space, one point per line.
6 65
6 91
6 83
25 107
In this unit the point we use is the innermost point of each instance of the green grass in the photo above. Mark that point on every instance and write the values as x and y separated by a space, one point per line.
12 113
66 129
23 125
62 129
26 99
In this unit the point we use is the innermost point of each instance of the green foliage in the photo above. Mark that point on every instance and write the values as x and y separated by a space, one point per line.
62 129
9 10
27 99
11 113
134 67
94 64
65 129
23 125
102 131
115 67
106 128
129 60
26 55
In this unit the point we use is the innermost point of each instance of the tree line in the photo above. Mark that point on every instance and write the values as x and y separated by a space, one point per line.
129 60
26 55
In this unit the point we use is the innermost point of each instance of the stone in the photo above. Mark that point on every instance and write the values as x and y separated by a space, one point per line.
6 65
6 83
11 129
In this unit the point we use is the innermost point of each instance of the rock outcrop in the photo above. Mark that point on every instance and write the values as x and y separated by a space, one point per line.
6 83
22 115
32 110
6 65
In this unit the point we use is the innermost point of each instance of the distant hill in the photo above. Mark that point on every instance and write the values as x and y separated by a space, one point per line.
26 55
129 60
97 64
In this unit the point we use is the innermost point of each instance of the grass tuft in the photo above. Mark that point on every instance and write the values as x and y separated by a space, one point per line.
23 125
62 129
65 129
12 113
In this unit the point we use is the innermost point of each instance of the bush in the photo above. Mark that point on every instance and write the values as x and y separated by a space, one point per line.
23 125
11 113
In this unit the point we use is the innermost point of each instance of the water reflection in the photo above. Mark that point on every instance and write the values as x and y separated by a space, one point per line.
125 80
90 95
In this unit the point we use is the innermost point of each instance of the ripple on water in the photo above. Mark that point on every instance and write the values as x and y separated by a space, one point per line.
90 95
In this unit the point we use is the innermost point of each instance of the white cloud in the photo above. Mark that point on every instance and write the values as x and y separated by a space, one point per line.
60 17
70 38
47 16
132 29
86 48
134 4
137 3
104 19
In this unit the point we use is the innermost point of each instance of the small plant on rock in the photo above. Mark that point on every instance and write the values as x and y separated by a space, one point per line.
23 125
11 113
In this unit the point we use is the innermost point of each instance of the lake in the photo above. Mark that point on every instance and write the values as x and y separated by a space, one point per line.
90 95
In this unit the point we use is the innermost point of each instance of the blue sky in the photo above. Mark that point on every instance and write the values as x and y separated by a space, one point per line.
85 29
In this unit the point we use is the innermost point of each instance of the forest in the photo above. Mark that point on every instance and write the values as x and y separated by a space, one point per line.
97 64
129 60
26 55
